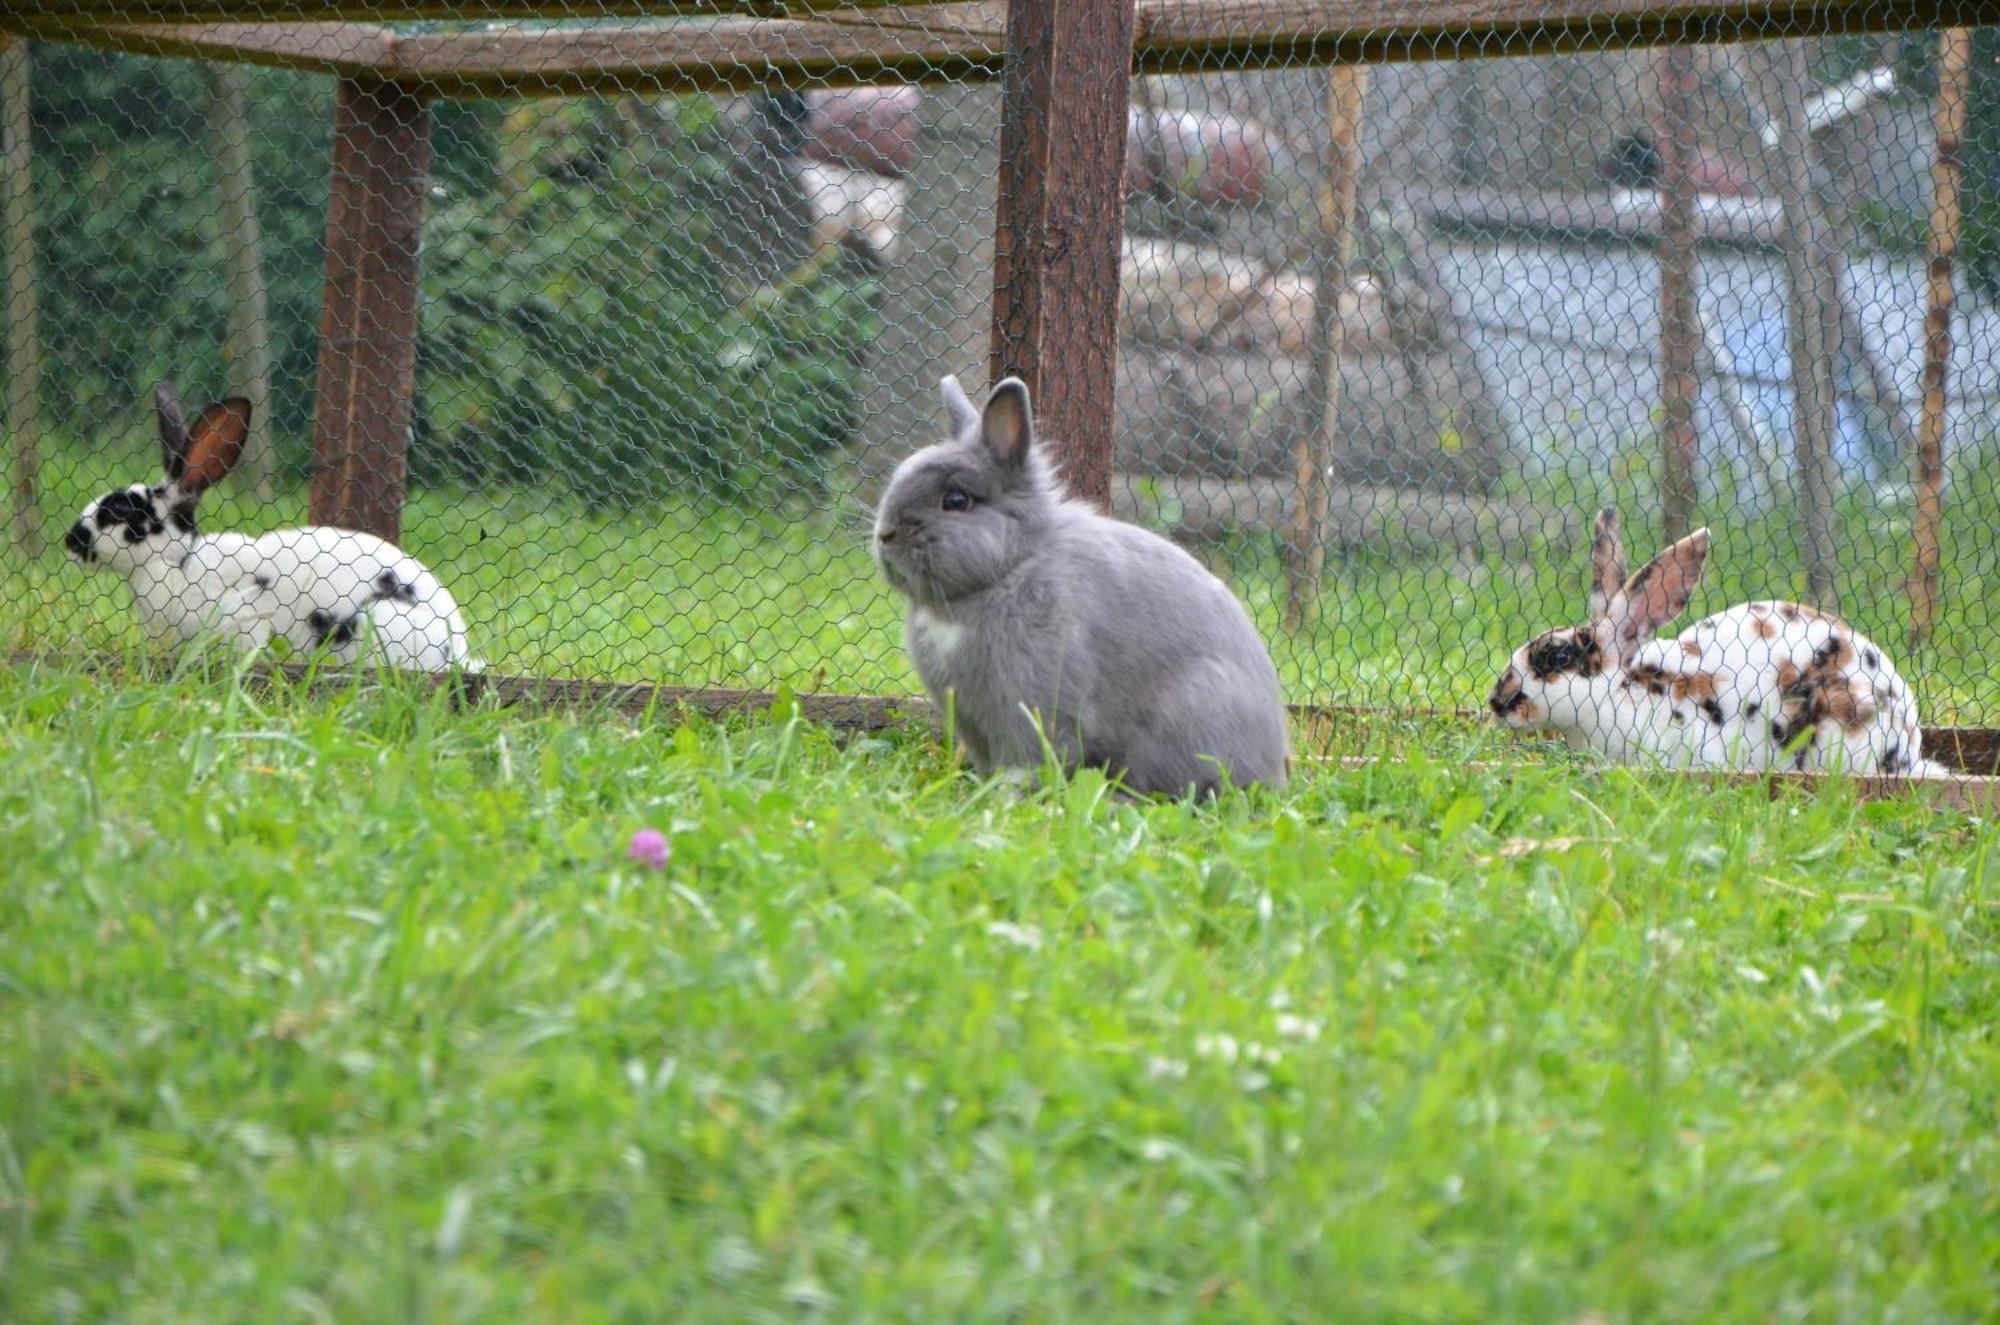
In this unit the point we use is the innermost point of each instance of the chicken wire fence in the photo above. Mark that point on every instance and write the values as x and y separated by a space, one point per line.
669 343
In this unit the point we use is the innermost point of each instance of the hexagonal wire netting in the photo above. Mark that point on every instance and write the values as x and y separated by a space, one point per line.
669 341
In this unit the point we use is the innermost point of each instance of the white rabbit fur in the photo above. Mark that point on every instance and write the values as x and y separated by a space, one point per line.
1032 618
1763 685
350 594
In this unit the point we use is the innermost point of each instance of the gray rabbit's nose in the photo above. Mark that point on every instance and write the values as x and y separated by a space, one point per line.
886 534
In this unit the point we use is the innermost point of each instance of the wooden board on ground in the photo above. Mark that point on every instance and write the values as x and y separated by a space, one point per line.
1972 793
1973 750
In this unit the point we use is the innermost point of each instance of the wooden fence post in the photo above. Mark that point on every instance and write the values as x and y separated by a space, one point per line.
24 361
1680 328
247 351
1333 262
368 324
937 296
1954 63
1059 231
1814 315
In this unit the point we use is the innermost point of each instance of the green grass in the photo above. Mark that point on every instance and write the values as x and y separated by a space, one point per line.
701 595
348 1007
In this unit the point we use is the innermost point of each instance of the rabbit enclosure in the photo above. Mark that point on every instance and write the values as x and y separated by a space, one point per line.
618 316
671 968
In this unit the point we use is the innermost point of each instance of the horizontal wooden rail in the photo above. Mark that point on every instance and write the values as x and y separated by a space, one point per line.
736 55
859 42
951 43
330 48
1974 795
1188 36
401 11
1968 751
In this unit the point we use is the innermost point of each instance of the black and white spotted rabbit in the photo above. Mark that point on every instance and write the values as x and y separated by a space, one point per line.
350 594
1763 685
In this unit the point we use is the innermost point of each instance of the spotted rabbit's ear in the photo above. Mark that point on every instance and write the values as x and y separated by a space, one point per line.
1607 563
173 431
1657 593
215 444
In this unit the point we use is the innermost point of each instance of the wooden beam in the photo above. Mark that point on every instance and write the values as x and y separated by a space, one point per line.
368 320
1680 324
1605 215
1813 319
1059 234
24 354
1947 168
1333 266
1973 795
327 48
246 349
925 43
875 712
83 12
1193 35
733 55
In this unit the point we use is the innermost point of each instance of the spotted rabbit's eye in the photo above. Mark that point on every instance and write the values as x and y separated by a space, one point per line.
957 499
1553 657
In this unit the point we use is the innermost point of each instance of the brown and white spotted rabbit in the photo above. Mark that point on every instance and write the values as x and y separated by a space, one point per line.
1760 686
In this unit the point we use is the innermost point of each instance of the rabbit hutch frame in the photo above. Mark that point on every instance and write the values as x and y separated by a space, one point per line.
1064 66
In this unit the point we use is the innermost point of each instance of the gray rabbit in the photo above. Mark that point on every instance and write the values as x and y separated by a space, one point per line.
1129 654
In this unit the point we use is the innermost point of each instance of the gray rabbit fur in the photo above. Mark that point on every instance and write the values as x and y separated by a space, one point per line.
1131 655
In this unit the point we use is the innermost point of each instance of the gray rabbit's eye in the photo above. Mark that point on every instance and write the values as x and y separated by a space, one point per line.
957 499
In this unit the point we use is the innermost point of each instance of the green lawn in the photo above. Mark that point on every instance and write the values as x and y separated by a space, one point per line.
349 1007
701 595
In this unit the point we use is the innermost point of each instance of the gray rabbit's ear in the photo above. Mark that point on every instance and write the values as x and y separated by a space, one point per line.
1008 426
964 418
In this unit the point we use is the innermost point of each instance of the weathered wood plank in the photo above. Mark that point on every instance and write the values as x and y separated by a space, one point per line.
1333 265
952 42
1970 750
1175 35
368 320
20 313
984 17
246 348
1680 335
401 11
1059 235
959 42
330 48
1974 795
857 712
1617 215
1812 310
1947 167
734 55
